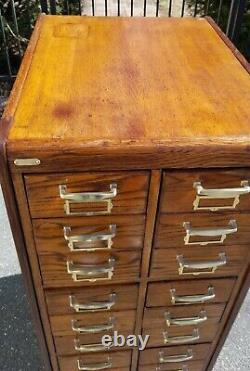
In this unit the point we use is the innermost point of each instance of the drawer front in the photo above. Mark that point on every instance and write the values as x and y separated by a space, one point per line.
88 323
62 195
176 335
181 193
101 361
202 230
75 268
81 344
89 234
191 366
196 261
170 356
181 315
98 299
189 292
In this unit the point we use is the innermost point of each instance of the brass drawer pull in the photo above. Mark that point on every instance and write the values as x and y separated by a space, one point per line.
192 299
176 358
181 339
76 243
90 347
93 307
200 267
185 321
220 193
208 232
88 197
91 273
96 366
95 329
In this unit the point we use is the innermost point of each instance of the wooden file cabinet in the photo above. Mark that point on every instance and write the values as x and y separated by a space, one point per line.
126 173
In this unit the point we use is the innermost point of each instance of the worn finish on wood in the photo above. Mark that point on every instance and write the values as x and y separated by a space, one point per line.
11 204
122 107
94 117
115 76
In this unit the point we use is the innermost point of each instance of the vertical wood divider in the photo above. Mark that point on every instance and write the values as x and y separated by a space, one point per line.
153 196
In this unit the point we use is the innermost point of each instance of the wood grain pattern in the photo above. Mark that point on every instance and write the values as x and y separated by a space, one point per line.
115 77
229 44
58 300
170 231
45 201
54 267
89 124
11 202
207 332
123 321
65 345
50 239
192 366
155 317
239 294
160 154
165 265
159 292
154 190
151 356
120 360
178 193
24 215
115 119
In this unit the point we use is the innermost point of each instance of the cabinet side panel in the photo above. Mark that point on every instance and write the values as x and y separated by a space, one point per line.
233 311
14 220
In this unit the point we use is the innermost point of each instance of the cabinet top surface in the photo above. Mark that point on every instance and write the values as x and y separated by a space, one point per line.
140 80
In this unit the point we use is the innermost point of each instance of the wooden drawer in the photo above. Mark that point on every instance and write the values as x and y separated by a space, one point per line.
156 356
115 361
174 316
174 335
171 293
230 229
120 266
178 192
45 201
181 263
106 298
191 366
118 232
66 345
93 322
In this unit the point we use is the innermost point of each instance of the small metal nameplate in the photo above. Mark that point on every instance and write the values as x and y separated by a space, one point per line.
27 162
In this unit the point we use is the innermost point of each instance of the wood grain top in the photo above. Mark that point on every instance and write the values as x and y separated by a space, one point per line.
96 81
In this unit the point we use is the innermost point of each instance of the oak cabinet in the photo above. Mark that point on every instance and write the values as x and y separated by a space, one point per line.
126 175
